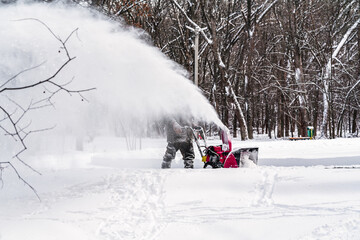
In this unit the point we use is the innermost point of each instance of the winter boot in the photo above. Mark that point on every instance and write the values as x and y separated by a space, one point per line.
165 164
188 164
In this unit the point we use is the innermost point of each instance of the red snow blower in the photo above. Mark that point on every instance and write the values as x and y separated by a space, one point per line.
222 156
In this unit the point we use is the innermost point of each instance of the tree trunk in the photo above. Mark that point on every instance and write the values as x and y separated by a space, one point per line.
299 78
280 118
248 74
239 115
354 119
235 126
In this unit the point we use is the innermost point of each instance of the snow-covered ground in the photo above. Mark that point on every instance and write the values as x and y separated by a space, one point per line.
299 190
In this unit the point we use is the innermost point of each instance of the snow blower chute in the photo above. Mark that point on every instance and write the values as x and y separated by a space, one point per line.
222 156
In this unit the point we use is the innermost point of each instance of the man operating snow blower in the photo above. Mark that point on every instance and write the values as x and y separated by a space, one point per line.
179 137
180 134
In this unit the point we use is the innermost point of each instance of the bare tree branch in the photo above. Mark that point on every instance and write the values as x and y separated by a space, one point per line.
12 122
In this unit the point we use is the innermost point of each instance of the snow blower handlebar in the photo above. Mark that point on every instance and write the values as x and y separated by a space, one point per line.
198 132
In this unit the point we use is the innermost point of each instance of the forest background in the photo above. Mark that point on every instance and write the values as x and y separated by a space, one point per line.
267 66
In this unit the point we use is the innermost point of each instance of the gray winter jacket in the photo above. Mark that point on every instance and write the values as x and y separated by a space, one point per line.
173 125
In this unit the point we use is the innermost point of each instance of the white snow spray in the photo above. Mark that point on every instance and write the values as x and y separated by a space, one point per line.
135 83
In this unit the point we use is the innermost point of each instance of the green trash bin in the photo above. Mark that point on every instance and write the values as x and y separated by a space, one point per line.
310 132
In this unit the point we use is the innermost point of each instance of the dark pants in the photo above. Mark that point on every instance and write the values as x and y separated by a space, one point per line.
186 149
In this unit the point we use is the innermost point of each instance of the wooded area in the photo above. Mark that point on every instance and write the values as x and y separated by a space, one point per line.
267 66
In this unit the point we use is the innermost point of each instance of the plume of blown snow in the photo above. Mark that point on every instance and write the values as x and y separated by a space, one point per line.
135 83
